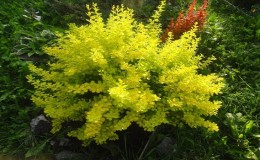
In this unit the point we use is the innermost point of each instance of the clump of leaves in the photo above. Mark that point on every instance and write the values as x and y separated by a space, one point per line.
21 34
107 80
185 23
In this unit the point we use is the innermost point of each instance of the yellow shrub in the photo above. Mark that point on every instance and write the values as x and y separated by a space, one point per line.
109 75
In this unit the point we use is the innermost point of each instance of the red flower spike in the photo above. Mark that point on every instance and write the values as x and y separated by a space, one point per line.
185 23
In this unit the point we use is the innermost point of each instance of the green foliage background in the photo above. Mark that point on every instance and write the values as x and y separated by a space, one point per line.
14 91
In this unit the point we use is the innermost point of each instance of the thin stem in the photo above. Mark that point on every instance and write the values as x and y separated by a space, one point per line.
236 8
146 145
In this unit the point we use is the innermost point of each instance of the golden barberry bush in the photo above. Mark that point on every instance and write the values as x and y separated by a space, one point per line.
110 74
